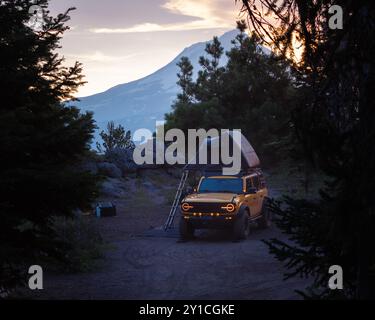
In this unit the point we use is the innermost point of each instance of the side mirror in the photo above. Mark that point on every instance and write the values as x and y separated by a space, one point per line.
252 191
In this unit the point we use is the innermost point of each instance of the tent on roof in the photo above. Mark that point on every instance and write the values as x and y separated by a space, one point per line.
249 159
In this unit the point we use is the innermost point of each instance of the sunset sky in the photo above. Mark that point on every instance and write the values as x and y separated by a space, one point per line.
123 40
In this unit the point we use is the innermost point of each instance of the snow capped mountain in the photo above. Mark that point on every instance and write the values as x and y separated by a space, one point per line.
140 103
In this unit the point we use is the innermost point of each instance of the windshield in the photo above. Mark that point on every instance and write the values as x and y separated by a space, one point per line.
221 185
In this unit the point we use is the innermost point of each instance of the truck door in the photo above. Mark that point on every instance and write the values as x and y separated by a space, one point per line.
259 195
252 199
262 189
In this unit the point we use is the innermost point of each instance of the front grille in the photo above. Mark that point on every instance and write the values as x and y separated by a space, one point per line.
207 207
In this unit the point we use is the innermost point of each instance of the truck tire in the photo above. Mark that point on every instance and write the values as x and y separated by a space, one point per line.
186 230
241 227
266 220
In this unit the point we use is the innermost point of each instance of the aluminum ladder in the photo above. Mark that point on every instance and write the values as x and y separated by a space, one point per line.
176 201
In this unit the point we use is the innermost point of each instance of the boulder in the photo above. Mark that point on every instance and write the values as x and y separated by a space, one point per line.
112 188
109 170
123 159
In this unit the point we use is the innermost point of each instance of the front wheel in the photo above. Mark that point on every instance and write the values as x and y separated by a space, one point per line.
241 227
186 229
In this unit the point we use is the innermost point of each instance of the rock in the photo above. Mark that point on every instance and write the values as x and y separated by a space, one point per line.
123 159
109 170
148 185
112 188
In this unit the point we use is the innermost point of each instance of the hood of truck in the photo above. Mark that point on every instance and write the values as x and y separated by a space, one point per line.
210 197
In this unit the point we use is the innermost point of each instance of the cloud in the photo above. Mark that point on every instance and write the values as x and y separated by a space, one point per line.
98 56
153 27
203 9
207 14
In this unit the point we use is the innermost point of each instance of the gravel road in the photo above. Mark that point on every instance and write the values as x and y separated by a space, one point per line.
211 267
140 266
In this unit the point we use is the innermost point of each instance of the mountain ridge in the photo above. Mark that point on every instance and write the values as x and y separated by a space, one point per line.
140 103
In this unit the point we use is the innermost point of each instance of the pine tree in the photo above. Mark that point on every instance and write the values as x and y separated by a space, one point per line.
185 80
253 92
115 138
335 128
258 95
209 77
42 140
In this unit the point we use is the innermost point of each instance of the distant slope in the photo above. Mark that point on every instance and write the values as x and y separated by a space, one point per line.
140 103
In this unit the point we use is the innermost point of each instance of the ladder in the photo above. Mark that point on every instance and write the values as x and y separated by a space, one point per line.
176 201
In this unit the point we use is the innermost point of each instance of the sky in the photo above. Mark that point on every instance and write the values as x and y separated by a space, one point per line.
119 41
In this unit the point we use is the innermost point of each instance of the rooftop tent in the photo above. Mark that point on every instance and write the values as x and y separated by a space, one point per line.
249 158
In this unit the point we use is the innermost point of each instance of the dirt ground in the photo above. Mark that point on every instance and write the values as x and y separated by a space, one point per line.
144 264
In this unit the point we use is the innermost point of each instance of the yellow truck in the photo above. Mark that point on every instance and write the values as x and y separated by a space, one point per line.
222 200
226 202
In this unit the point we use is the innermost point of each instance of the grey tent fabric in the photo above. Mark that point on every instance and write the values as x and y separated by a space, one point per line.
249 158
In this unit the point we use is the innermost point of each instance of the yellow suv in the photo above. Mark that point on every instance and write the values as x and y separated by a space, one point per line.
226 202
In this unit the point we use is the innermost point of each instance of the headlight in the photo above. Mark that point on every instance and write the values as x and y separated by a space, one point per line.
186 207
230 207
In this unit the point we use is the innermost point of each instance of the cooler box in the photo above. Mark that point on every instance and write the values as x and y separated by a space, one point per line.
105 209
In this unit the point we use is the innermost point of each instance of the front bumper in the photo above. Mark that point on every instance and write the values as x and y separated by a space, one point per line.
208 220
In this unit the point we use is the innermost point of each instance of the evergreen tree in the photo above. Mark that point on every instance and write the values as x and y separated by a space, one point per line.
115 137
258 95
185 80
42 140
334 125
253 92
209 77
